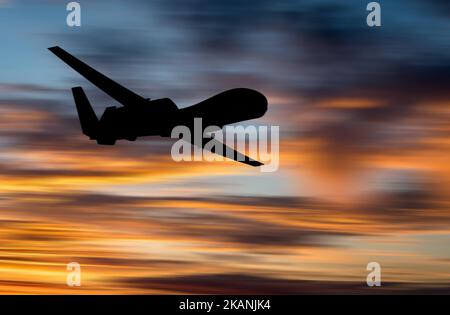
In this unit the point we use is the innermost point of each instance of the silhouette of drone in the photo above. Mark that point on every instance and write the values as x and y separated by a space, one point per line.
144 117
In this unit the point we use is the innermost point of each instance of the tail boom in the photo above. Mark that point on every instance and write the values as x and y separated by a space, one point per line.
86 114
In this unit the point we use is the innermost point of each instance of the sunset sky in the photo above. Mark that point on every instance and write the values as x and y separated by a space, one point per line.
364 176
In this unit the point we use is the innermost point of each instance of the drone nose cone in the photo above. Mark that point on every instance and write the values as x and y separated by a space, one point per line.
260 102
230 107
252 101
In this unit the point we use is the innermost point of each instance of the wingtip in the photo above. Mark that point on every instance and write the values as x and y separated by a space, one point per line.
53 48
254 163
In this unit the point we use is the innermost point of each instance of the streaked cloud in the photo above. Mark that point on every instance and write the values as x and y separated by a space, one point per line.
364 151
